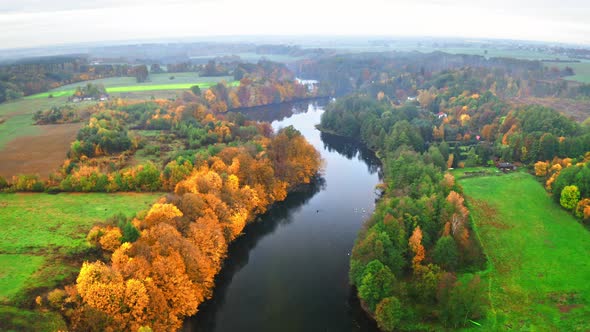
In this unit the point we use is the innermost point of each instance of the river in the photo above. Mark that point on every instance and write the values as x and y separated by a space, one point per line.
289 272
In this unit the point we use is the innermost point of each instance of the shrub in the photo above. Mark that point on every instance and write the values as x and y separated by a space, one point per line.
388 313
28 183
3 183
570 195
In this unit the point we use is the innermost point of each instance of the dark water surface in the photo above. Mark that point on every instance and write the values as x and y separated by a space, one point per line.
289 272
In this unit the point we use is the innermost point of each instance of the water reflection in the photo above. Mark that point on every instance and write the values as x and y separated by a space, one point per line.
289 272
351 148
239 251
281 112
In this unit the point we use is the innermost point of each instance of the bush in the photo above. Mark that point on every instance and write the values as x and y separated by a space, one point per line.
56 297
388 313
464 300
28 183
3 183
53 190
570 195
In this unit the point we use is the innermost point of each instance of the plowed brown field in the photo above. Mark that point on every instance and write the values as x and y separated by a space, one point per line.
40 154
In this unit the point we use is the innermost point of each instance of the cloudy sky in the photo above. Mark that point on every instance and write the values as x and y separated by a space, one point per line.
27 23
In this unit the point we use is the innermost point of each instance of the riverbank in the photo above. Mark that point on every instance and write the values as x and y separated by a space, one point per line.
289 272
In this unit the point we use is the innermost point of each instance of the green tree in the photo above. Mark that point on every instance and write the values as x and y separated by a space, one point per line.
377 283
196 90
388 313
3 183
445 253
570 195
466 300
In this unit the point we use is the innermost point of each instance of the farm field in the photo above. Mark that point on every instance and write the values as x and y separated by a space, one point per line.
38 233
41 150
581 70
538 272
579 109
157 82
251 57
18 117
501 52
26 148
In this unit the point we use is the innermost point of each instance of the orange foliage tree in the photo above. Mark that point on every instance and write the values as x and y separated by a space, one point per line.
415 243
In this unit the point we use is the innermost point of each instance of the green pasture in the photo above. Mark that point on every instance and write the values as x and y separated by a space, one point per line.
539 268
39 231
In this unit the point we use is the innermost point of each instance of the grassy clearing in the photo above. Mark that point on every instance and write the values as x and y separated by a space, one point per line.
538 255
39 232
31 223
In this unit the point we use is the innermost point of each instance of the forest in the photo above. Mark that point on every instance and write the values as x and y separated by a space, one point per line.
416 263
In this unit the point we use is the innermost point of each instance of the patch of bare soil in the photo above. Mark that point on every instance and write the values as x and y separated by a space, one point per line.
40 154
489 214
577 109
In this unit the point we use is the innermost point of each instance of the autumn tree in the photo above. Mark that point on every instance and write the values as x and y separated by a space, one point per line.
459 216
570 195
541 168
583 209
415 243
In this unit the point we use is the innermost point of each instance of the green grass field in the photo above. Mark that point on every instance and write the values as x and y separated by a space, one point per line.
38 230
157 82
581 70
539 255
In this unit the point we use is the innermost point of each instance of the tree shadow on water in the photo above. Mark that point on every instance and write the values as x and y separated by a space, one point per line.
239 251
351 149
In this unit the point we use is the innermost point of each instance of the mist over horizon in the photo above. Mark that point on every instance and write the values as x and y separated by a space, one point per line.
30 23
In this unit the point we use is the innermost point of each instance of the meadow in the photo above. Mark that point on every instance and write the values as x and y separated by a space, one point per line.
35 227
39 236
538 255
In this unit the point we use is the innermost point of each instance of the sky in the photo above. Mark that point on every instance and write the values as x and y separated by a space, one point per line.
29 23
